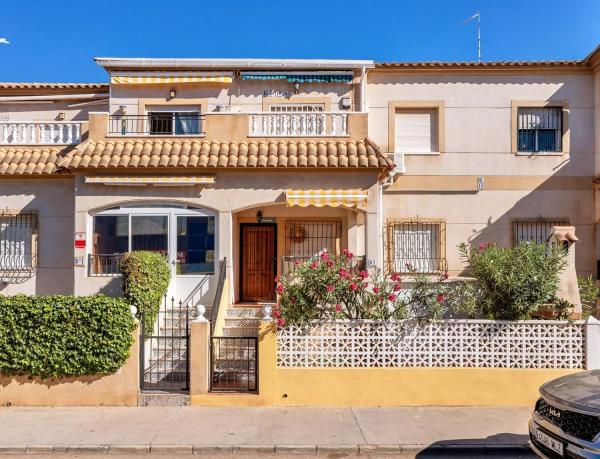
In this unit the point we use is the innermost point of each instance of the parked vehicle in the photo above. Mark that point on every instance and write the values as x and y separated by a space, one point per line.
566 419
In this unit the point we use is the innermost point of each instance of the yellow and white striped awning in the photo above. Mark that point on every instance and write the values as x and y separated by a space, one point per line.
331 198
170 77
138 180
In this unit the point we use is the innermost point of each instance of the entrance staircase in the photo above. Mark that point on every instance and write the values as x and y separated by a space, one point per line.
242 321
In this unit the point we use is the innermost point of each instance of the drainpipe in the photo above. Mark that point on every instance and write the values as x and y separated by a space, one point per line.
380 258
363 89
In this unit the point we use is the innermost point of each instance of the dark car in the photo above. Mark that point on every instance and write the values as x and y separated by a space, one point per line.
566 419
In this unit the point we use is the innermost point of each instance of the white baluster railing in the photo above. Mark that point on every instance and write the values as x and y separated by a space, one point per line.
299 124
40 132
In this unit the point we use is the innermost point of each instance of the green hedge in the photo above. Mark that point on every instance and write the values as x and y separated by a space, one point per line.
146 277
64 335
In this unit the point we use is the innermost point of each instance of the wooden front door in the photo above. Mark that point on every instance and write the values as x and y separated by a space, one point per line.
258 249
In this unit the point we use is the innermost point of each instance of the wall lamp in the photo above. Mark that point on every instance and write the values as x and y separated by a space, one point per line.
173 93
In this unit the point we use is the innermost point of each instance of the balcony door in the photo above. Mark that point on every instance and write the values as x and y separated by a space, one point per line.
258 252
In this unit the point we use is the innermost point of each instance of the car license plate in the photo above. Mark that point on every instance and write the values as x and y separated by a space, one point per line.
548 441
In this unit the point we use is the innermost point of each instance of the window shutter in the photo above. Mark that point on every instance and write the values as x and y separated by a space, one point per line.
416 131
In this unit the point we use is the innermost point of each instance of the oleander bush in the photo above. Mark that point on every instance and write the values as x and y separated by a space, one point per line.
515 283
59 336
333 287
146 277
589 294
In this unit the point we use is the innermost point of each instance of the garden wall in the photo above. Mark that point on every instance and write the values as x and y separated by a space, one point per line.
449 363
118 389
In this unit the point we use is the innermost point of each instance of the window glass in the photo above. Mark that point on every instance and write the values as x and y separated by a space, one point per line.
150 232
161 123
111 234
195 245
539 129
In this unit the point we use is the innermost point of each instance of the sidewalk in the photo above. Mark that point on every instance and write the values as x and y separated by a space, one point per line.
262 430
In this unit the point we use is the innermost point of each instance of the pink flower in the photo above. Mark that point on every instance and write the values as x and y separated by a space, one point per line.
330 264
325 255
277 314
440 298
482 247
280 289
395 277
314 265
353 286
338 307
277 279
347 253
330 288
375 290
281 322
297 262
364 274
343 273
446 275
392 297
397 287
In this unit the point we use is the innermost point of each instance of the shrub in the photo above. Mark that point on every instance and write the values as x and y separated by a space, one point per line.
146 277
512 283
64 335
589 293
333 287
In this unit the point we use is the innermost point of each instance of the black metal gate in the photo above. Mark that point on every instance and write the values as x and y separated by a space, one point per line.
164 356
234 364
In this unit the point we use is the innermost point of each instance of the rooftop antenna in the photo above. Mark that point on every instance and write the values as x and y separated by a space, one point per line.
478 16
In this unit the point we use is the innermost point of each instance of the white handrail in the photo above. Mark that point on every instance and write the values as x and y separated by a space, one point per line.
40 132
298 124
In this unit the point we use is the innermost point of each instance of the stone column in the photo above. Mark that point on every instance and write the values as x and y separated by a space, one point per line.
199 359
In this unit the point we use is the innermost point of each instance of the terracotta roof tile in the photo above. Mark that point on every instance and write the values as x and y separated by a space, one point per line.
23 85
29 161
480 65
204 154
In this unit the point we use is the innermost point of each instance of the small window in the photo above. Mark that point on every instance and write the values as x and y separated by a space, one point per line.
305 239
416 247
535 230
416 131
18 242
540 129
173 123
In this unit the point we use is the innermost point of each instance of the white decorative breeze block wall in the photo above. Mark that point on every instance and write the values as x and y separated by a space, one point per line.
448 343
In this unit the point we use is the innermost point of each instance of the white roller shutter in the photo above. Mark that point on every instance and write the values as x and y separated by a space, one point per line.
416 131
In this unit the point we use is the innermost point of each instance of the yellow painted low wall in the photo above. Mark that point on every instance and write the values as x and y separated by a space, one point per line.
117 389
383 386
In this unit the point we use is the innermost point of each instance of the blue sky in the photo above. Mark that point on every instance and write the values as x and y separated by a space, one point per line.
56 41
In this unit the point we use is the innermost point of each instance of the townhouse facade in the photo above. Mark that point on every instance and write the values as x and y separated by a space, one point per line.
254 164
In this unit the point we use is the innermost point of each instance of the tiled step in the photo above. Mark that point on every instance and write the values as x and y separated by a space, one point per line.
241 332
244 312
249 322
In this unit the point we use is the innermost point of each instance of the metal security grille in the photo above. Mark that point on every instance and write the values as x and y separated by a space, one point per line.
306 238
414 246
164 357
234 364
535 230
18 240
104 265
295 108
539 129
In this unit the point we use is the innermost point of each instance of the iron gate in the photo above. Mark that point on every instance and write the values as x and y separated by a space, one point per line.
164 356
233 364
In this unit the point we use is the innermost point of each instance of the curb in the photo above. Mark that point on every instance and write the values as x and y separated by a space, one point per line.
364 449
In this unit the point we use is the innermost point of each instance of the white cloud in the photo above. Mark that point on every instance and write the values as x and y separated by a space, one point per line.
4 41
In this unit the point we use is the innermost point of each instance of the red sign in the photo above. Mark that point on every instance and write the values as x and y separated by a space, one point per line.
80 240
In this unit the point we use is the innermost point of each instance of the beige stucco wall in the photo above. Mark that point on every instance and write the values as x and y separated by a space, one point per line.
243 96
477 134
53 200
117 389
243 192
48 111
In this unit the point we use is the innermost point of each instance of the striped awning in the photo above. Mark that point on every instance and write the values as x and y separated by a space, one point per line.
301 77
170 77
330 198
137 180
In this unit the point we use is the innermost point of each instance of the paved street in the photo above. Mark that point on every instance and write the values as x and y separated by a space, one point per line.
410 432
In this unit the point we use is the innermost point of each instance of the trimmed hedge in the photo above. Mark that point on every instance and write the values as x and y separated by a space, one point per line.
146 277
64 335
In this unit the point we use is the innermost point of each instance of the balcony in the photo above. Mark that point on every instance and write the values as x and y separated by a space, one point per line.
157 124
299 124
40 132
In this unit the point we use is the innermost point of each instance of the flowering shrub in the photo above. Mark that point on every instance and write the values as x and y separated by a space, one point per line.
514 283
334 287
